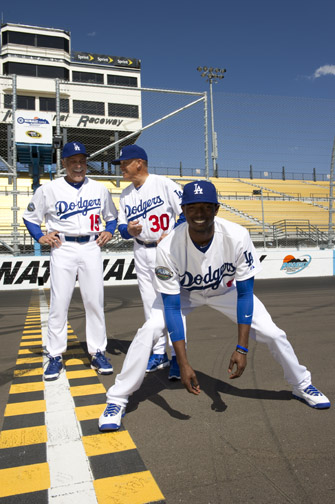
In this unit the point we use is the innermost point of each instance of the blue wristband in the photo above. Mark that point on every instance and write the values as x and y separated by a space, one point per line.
242 348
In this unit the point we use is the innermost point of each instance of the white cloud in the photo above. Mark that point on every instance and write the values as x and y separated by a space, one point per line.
324 70
91 34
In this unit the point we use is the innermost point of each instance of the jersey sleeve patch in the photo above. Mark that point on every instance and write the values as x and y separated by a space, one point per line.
163 273
31 207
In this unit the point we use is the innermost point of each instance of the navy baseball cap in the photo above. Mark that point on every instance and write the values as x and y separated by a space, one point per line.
131 152
199 191
73 148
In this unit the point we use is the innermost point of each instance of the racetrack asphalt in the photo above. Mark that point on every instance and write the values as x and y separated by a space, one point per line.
240 441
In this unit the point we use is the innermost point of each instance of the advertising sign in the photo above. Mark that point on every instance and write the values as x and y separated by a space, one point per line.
33 127
103 59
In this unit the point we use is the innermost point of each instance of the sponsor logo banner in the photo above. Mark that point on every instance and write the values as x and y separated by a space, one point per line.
103 59
33 127
33 272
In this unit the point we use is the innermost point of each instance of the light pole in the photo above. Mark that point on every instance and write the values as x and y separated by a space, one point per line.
212 74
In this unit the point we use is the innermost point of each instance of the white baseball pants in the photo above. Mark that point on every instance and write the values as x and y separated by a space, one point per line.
145 262
66 262
263 330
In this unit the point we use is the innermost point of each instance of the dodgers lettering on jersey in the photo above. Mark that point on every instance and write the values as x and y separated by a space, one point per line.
69 210
155 204
142 209
211 280
64 209
181 266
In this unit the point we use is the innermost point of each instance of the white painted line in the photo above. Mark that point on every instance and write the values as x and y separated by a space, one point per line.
70 473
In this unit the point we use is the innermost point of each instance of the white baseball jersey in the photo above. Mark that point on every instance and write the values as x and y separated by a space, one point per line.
74 212
180 265
155 204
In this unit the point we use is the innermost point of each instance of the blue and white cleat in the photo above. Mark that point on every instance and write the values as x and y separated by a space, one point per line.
100 363
312 397
174 371
54 368
157 361
110 420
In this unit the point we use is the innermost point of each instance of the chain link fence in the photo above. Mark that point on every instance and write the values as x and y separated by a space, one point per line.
104 118
259 137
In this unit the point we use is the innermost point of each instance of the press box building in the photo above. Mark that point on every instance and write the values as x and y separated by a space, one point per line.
100 99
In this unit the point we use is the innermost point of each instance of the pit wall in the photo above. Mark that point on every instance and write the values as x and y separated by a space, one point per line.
30 272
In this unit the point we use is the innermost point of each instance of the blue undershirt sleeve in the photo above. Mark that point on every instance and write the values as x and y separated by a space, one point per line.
245 301
34 230
173 319
180 220
124 231
111 226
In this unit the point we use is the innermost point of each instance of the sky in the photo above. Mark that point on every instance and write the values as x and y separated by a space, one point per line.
270 48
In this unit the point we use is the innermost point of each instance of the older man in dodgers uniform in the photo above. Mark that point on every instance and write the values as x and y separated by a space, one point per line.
149 210
72 208
207 261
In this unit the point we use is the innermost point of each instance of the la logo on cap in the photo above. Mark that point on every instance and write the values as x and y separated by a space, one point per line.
76 147
198 189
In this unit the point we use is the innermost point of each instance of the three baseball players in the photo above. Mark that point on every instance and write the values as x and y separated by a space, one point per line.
206 260
73 208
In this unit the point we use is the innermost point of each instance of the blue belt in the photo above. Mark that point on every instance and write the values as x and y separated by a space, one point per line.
146 244
79 239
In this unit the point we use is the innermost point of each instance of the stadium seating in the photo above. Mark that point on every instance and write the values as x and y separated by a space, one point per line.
282 200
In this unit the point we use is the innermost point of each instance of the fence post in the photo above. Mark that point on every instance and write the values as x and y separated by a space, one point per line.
58 134
331 197
15 208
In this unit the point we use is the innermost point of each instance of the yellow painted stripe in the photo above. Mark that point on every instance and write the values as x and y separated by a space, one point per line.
25 408
26 387
27 351
29 360
72 338
109 442
85 373
76 362
23 437
28 372
135 488
89 412
29 331
29 343
87 390
31 336
24 479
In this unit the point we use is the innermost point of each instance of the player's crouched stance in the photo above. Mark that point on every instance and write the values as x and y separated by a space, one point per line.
207 260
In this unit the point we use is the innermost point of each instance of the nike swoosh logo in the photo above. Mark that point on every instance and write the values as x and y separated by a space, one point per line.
248 316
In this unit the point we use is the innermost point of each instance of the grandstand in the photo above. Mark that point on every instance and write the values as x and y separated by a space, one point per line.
295 212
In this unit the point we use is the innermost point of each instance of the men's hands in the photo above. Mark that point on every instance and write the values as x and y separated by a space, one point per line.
103 238
189 379
51 239
134 228
238 360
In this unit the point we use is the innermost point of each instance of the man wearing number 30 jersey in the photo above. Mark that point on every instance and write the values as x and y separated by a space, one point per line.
72 208
149 208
